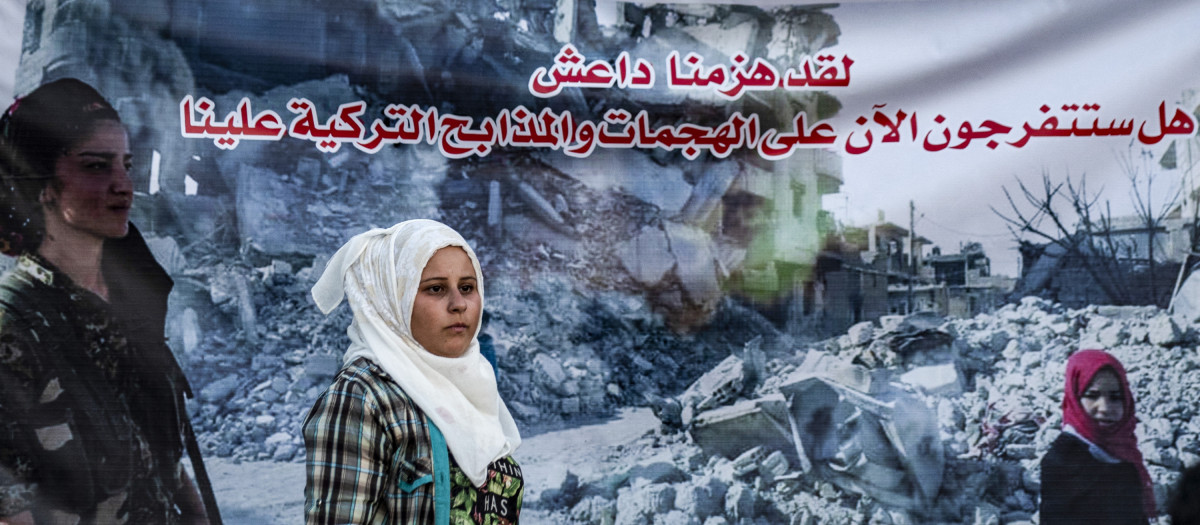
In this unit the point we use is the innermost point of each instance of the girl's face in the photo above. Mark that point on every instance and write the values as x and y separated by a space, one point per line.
92 192
1103 400
447 307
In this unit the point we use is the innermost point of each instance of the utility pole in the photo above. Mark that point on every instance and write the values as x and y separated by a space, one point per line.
912 259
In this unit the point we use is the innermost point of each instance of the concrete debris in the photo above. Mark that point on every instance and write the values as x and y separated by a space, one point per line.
879 442
542 207
1163 331
647 257
666 190
219 390
731 430
951 432
695 255
940 380
713 181
1186 303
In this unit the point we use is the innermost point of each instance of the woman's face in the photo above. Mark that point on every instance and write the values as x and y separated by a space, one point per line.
1103 400
447 308
92 192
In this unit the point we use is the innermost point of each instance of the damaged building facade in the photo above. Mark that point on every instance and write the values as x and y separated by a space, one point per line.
663 253
685 232
866 273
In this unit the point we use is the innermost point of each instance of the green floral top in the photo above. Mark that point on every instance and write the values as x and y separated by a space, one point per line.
497 502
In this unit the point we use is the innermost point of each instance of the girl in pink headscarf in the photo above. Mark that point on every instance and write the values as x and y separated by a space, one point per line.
1094 473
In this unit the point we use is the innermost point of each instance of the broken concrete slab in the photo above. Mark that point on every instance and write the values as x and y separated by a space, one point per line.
719 386
532 231
711 184
695 256
542 208
938 380
731 430
625 170
831 367
884 444
861 333
1164 331
647 257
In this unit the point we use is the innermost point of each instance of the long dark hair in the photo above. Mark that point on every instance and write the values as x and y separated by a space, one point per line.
35 132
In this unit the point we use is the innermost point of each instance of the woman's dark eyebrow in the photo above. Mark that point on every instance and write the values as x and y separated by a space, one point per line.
104 155
439 278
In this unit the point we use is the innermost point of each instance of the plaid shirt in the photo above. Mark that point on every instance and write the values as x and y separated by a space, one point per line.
370 453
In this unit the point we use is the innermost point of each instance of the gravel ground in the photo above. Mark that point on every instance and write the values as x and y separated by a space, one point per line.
272 493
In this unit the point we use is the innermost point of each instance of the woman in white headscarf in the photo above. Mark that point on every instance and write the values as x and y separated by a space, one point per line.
413 429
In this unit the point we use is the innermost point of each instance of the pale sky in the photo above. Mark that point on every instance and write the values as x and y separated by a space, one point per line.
1002 60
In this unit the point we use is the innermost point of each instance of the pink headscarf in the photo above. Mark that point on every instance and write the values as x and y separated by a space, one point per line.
1118 439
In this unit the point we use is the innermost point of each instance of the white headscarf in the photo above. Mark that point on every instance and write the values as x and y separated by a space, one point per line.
378 272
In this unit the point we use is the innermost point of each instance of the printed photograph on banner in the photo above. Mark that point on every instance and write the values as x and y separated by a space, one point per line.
746 262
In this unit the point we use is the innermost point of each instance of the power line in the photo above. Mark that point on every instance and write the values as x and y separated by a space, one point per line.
960 232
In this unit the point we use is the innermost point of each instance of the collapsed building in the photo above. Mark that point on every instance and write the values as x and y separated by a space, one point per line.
635 257
1135 259
685 233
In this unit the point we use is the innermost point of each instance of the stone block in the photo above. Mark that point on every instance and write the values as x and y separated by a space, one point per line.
729 431
939 380
695 257
595 510
655 469
677 517
647 257
322 366
720 385
861 333
701 498
219 390
1164 331
549 370
741 503
639 505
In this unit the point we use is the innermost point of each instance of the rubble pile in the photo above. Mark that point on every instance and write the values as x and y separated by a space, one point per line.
562 354
909 420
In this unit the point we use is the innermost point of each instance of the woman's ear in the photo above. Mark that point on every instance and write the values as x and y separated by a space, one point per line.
48 197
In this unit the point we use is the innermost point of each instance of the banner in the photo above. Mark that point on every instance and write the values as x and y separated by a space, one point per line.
653 190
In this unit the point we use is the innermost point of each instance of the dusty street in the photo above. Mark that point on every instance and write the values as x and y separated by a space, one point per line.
272 493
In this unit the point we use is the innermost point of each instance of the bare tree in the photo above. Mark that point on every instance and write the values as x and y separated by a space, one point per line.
1047 214
1150 218
1067 215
